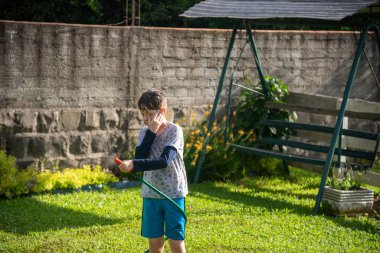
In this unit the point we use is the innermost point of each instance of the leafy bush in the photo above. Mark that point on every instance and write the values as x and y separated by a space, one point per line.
250 108
71 178
15 182
221 161
225 163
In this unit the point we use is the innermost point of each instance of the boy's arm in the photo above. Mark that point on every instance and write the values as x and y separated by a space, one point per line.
163 161
142 151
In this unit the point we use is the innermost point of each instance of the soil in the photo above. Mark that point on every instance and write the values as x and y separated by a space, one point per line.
375 208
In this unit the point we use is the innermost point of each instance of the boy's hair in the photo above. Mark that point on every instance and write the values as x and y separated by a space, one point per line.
152 100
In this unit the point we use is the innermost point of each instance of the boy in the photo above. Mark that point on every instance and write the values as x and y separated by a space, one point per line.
159 153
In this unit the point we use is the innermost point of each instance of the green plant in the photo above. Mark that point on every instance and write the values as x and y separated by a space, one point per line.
39 178
344 179
251 109
13 182
71 178
376 166
221 162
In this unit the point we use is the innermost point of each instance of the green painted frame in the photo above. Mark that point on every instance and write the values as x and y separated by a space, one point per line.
337 133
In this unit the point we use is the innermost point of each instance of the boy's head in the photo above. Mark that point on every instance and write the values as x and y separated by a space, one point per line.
153 100
150 102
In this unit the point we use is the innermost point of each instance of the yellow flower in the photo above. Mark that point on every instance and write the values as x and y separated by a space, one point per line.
208 134
207 113
188 145
214 126
240 132
192 133
197 131
196 156
208 147
198 146
193 163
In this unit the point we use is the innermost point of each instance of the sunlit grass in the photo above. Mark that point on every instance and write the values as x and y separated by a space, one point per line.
255 215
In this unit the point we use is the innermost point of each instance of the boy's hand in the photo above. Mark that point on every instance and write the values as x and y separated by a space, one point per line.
126 166
155 121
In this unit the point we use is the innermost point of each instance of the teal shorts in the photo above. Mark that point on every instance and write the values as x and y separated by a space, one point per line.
161 217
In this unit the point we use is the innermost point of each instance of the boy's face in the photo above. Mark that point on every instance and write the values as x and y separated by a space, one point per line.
149 114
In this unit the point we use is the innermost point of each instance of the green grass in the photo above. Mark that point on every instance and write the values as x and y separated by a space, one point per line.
257 215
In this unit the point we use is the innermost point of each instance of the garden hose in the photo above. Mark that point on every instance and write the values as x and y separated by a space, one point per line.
183 212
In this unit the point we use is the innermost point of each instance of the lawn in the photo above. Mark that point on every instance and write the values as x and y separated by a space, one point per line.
256 215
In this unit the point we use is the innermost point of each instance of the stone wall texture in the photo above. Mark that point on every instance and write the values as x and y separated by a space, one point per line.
69 92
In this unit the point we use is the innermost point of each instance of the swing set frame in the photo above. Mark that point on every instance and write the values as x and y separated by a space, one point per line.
337 130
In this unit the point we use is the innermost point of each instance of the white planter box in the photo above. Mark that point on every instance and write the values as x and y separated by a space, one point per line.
348 202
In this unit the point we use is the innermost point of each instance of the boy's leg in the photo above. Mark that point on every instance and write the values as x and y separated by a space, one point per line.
177 246
152 225
175 224
156 245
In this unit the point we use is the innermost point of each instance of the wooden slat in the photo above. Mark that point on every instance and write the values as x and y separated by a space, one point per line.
319 128
318 148
320 104
278 155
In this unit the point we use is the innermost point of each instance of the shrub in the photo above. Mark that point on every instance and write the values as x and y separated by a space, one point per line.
250 107
225 163
13 182
71 178
221 162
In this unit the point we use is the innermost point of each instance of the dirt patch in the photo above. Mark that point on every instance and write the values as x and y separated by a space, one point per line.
375 212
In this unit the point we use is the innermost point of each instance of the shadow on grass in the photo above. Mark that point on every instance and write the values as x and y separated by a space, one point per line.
223 194
249 199
25 215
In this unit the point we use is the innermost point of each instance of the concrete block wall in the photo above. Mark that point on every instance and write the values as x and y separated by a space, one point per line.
69 92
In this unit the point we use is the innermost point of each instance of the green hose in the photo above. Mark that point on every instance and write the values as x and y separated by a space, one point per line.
162 194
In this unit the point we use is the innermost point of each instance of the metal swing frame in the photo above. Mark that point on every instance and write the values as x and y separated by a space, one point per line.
337 134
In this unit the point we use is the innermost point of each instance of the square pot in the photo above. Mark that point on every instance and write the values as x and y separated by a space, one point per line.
348 202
